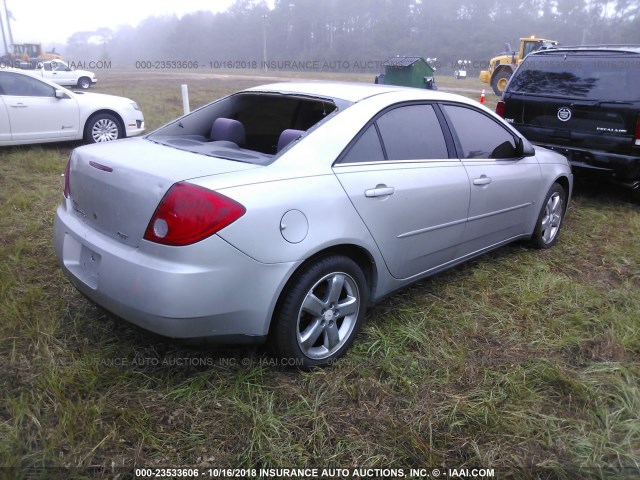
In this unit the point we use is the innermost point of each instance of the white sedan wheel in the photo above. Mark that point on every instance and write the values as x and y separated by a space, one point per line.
103 128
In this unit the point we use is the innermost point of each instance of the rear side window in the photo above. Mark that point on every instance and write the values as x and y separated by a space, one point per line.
480 136
589 76
412 132
366 149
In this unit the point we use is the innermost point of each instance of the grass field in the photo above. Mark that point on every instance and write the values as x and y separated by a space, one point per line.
524 361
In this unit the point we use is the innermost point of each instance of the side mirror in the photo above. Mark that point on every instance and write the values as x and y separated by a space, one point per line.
59 94
524 148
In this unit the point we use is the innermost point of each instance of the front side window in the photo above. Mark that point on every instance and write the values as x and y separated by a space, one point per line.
24 86
480 136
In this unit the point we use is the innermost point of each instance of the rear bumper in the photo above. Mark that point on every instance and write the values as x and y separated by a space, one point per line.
208 290
619 167
485 76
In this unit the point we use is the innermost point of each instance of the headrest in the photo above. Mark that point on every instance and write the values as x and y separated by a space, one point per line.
287 136
228 129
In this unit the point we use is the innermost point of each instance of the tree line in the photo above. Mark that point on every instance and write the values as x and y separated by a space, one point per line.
356 33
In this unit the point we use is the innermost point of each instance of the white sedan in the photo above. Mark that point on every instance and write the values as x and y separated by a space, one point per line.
35 110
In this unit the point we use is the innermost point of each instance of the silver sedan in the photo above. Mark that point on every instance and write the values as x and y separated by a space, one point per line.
280 213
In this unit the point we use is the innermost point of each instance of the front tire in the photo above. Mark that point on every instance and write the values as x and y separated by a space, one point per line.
499 82
320 312
103 127
550 219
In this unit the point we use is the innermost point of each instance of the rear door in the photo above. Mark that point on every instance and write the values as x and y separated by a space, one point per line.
503 186
411 195
585 100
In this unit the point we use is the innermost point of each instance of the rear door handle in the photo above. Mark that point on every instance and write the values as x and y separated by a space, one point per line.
483 180
379 191
19 105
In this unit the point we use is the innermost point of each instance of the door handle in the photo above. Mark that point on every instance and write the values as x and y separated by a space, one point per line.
483 180
19 105
379 191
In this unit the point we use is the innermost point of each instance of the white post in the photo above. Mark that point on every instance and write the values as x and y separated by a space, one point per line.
185 99
264 42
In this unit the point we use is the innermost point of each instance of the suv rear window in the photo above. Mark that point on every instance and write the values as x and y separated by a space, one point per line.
588 76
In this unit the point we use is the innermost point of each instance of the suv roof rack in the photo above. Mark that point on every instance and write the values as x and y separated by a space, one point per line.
622 47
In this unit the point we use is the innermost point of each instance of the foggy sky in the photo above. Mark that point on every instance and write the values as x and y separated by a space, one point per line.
35 21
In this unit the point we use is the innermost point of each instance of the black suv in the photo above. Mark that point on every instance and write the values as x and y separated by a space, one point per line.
583 102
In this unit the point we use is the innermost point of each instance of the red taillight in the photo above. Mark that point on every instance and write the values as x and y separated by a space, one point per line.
637 139
188 213
500 108
67 169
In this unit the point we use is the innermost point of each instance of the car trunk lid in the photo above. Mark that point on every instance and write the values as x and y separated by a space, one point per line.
116 187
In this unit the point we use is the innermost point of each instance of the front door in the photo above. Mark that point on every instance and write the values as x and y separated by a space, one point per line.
35 113
503 186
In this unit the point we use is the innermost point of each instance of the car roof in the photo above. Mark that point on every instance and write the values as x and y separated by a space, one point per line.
591 48
350 92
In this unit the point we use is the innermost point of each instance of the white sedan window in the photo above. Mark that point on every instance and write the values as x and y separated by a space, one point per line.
24 86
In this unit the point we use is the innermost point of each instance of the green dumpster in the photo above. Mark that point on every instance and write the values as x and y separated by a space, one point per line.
408 71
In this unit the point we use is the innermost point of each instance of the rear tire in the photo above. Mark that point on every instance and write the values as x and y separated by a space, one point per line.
320 312
84 83
550 219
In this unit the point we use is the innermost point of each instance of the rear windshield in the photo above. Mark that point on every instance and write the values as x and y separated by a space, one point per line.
585 76
249 127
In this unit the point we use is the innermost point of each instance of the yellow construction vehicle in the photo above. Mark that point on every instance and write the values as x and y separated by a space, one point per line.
503 65
33 51
27 55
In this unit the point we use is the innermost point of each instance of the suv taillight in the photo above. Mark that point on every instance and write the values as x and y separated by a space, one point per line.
67 169
637 139
500 108
188 213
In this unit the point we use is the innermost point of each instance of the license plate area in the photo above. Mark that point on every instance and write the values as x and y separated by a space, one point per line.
90 263
83 262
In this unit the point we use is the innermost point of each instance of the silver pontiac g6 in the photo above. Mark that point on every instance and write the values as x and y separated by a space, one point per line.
281 212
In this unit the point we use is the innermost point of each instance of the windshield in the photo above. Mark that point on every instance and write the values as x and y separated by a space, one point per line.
584 76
